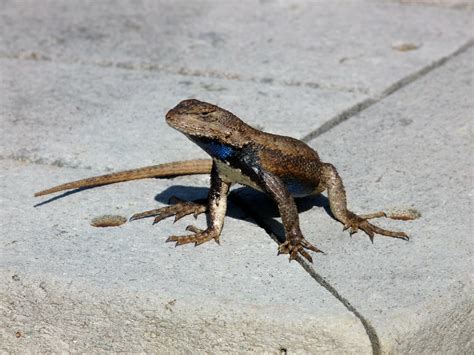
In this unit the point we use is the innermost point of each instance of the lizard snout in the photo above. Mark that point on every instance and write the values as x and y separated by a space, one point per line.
170 116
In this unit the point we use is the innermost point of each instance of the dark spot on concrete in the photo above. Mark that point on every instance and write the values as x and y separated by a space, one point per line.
131 25
214 38
213 87
312 85
406 121
266 80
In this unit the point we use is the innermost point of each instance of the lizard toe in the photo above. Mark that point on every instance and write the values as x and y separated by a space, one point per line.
200 236
298 247
370 229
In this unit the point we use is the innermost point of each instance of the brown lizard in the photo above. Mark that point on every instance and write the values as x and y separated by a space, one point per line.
280 166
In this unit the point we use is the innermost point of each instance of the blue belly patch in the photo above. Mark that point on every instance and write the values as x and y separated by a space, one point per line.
297 188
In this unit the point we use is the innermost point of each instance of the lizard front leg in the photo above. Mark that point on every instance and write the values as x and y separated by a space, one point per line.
295 242
338 204
217 206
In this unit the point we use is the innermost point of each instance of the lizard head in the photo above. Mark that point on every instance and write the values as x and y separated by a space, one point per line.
197 119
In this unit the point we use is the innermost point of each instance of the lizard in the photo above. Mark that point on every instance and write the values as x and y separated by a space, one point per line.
282 167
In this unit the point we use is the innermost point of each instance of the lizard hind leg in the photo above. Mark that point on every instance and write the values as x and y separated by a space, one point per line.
351 221
217 206
178 210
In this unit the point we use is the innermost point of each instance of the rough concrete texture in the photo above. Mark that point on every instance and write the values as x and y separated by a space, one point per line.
343 46
83 90
105 116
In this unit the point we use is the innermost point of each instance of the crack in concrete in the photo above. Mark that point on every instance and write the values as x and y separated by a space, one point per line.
369 329
186 72
24 158
365 104
259 219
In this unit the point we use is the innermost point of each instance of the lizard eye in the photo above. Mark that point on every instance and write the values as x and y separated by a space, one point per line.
206 115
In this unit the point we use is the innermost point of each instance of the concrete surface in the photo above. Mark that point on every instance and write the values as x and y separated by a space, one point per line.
412 150
83 90
70 286
89 109
322 43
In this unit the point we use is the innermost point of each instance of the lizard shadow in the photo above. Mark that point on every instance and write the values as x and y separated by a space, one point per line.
246 202
264 211
194 194
62 195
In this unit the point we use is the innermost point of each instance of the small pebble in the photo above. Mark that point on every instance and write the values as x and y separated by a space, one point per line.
405 46
404 213
108 221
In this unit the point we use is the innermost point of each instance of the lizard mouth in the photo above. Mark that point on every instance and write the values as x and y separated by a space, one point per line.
171 117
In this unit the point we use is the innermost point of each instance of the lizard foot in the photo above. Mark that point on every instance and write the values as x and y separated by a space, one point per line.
199 237
298 245
178 210
355 223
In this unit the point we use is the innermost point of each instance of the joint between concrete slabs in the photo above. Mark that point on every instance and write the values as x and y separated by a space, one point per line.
149 67
41 161
369 329
400 84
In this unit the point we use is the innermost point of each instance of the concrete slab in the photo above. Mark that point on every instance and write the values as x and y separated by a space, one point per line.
67 286
86 87
413 149
109 118
354 47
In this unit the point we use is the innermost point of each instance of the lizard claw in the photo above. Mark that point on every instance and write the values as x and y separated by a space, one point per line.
194 229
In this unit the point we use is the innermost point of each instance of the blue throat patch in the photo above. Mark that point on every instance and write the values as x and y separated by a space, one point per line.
217 150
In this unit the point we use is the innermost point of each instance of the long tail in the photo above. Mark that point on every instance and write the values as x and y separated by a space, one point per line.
188 167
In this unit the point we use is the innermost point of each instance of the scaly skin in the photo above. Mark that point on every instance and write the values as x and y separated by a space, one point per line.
282 167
